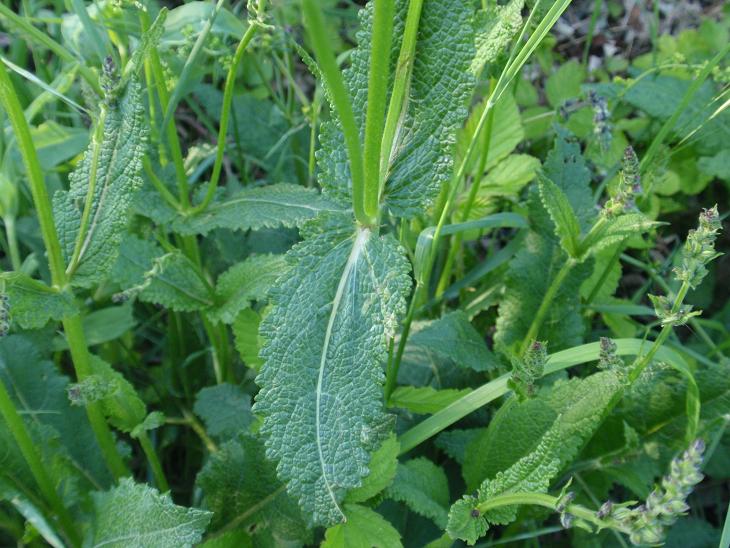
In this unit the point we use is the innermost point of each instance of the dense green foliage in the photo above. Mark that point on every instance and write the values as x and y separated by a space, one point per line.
412 273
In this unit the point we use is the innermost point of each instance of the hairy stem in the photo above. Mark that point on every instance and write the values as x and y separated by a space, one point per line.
377 95
72 325
547 300
319 37
157 471
248 36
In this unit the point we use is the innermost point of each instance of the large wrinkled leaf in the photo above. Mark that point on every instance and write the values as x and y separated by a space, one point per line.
495 28
117 179
436 107
225 410
136 515
240 484
326 338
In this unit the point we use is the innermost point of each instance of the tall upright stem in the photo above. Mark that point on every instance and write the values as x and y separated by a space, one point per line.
379 72
72 325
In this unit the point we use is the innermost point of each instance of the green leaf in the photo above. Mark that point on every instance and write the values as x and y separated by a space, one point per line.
240 487
103 325
170 280
326 339
540 258
32 303
587 401
364 528
119 400
269 206
225 410
564 83
424 488
137 515
424 399
561 212
382 466
453 338
61 432
511 433
495 28
422 159
243 283
246 337
117 179
455 442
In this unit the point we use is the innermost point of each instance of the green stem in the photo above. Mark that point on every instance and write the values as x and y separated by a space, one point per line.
27 448
547 300
455 246
170 130
641 363
319 37
72 326
547 501
157 471
226 111
696 326
96 141
401 85
74 330
15 260
35 35
159 185
377 96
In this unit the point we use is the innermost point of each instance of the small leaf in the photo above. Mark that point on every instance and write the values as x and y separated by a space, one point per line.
363 528
424 488
246 337
561 212
170 280
137 515
243 283
31 303
225 410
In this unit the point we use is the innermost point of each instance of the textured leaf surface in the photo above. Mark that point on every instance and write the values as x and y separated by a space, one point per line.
117 179
561 212
169 279
424 488
240 484
326 336
364 528
122 406
137 515
440 87
225 410
61 432
586 403
32 303
269 206
495 28
246 337
243 283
